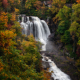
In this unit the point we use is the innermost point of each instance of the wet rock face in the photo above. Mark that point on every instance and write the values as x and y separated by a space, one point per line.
51 78
51 37
45 65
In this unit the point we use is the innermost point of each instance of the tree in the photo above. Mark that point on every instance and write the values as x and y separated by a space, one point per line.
75 26
66 38
5 3
55 7
3 20
78 1
64 19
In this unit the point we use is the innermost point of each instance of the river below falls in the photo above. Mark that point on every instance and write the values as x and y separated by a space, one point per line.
58 64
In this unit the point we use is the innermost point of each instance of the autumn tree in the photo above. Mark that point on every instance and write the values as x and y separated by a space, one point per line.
78 1
19 59
3 20
75 26
56 6
32 6
5 3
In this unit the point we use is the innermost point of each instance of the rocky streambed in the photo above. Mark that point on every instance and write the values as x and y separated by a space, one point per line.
61 66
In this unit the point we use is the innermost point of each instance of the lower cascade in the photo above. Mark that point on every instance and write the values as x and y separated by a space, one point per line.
56 73
39 29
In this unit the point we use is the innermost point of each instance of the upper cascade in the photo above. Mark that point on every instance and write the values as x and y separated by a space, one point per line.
39 28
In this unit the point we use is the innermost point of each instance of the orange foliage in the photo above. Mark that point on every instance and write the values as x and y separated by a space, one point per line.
38 5
1 66
12 1
6 38
4 19
78 1
47 75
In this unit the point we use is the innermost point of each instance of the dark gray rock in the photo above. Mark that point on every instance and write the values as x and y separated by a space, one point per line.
45 65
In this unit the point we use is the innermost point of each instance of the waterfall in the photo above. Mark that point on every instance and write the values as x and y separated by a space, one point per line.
56 73
39 29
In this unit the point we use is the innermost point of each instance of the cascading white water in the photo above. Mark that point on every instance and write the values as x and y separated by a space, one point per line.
57 74
37 27
40 30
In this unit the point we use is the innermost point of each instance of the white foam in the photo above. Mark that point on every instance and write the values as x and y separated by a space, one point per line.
56 73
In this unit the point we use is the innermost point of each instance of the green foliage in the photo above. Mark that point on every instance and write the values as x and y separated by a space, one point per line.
19 59
9 17
57 5
70 1
69 47
66 38
16 27
75 26
31 8
76 12
64 23
21 67
63 26
64 13
64 17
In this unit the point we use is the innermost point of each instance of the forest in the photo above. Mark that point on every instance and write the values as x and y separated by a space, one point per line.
19 55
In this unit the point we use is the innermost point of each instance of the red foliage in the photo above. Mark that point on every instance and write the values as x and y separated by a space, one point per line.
9 26
5 3
78 50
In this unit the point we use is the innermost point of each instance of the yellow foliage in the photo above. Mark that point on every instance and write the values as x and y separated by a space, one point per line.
13 18
78 42
57 5
55 20
16 10
27 43
31 38
34 58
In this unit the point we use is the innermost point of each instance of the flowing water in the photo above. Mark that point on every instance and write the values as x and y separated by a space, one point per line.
56 73
39 29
